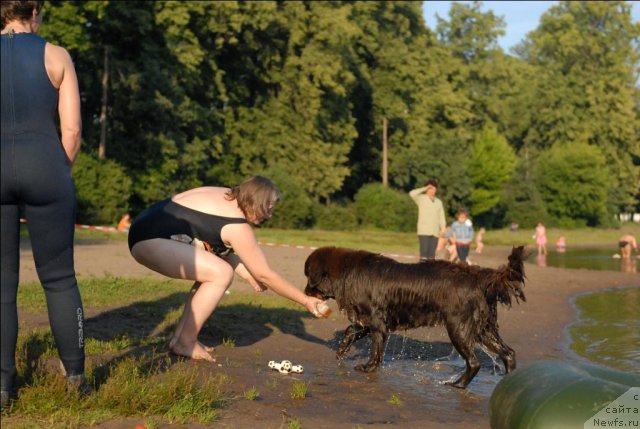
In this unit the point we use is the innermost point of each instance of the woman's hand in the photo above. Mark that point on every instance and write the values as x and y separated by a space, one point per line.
312 305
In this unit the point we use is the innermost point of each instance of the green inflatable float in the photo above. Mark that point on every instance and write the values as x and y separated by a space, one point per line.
563 395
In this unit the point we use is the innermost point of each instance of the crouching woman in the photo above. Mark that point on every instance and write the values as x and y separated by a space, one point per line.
204 235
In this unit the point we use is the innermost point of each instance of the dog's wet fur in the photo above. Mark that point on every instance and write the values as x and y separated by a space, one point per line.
380 295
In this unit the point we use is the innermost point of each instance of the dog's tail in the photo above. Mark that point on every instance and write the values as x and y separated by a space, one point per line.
507 281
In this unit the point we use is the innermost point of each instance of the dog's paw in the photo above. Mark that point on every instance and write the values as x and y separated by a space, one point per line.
342 350
458 383
366 367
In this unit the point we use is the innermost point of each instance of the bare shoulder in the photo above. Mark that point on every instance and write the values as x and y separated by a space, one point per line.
57 62
210 200
57 54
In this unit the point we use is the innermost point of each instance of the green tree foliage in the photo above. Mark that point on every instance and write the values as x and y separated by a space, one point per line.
102 190
209 93
523 203
491 165
574 180
400 78
335 217
586 54
294 211
378 206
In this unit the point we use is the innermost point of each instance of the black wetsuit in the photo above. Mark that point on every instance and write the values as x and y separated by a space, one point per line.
36 177
167 218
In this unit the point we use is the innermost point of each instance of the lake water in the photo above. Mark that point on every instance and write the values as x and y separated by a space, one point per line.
586 258
608 328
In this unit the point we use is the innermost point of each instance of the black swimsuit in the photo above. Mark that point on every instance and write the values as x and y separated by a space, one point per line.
167 218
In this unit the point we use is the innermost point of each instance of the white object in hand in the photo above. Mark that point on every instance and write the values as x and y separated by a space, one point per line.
323 309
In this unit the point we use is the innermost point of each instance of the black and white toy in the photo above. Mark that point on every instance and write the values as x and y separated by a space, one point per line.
285 367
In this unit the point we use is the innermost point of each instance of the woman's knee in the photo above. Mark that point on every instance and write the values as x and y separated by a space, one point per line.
222 272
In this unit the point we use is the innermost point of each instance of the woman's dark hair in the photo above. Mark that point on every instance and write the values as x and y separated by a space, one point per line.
21 10
256 195
431 182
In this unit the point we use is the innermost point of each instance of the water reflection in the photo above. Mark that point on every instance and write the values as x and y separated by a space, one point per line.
608 328
587 258
628 265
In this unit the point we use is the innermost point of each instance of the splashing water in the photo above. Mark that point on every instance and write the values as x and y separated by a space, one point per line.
420 359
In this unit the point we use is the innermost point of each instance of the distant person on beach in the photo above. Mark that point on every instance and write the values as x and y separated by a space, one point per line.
462 234
125 223
627 243
540 236
446 246
205 235
431 218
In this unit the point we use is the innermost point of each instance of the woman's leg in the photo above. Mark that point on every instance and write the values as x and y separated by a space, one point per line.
184 316
9 288
51 225
212 275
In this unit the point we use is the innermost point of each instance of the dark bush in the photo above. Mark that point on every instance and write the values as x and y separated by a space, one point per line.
335 217
102 188
378 206
294 211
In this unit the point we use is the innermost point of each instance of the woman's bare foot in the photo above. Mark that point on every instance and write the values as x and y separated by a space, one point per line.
174 340
208 349
196 351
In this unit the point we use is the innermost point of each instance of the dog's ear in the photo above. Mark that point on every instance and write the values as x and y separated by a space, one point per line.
519 253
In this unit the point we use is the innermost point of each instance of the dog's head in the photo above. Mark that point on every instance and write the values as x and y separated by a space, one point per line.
317 269
516 271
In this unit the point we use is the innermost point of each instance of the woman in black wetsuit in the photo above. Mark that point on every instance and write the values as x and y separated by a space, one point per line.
38 80
204 235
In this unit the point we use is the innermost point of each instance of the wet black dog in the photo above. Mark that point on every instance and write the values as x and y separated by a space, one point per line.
382 295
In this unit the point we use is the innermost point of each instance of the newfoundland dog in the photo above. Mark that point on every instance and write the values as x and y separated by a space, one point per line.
382 295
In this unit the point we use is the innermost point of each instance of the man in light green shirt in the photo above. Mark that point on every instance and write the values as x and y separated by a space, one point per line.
431 219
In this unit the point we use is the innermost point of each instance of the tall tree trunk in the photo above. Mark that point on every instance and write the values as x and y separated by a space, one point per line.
385 178
102 148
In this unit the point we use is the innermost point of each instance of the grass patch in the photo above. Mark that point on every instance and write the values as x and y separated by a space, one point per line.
299 390
395 400
145 385
252 394
110 291
229 342
295 424
388 241
86 234
131 373
406 242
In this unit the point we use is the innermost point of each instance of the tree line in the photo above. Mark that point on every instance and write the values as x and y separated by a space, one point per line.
182 94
